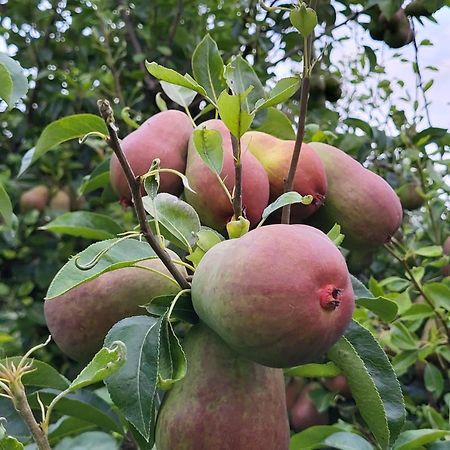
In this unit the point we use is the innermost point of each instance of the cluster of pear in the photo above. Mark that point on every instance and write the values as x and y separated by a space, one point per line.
39 198
277 297
396 31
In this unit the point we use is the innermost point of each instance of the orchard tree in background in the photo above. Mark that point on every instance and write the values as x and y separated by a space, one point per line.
234 271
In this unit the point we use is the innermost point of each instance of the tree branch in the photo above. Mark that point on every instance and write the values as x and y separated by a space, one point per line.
237 196
135 188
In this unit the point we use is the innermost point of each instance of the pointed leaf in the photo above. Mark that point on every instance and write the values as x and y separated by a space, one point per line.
6 212
288 198
91 440
312 437
208 144
19 80
275 123
84 224
66 129
283 90
347 441
314 370
179 94
207 238
416 439
183 309
99 178
120 253
232 113
6 84
208 68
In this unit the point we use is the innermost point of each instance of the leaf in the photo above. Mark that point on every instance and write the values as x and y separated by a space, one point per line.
151 182
67 426
183 309
385 309
372 381
303 19
288 198
179 94
6 87
171 76
434 381
439 294
19 80
432 251
66 129
207 238
312 437
208 68
26 161
240 76
6 212
347 441
283 90
275 123
208 144
120 253
177 217
43 375
83 404
91 440
99 178
133 387
232 113
416 439
313 370
361 124
84 224
10 443
335 235
106 362
14 425
418 311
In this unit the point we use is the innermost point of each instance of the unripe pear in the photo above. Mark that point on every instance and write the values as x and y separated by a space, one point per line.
280 295
210 199
275 156
363 203
304 413
224 402
338 385
410 195
35 198
79 319
165 136
60 201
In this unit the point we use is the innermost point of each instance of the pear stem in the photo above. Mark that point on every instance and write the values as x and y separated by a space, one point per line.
135 187
304 93
237 195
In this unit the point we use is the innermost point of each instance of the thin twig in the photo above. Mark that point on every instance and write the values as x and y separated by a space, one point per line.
237 196
135 188
289 182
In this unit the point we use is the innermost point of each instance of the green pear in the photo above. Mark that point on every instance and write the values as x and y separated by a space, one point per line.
225 402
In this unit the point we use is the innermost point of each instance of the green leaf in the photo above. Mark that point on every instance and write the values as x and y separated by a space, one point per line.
233 114
385 309
206 239
66 129
6 212
10 443
43 375
179 94
283 90
208 144
84 224
120 253
372 381
83 404
312 437
417 311
347 441
91 440
361 124
177 217
335 235
434 381
99 178
275 123
313 370
303 19
439 294
183 309
6 84
416 439
171 76
105 362
432 251
19 81
402 338
208 68
151 182
67 426
288 198
240 77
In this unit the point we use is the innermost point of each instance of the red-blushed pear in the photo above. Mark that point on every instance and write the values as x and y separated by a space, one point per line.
210 199
165 136
35 198
275 155
225 402
79 319
363 203
280 295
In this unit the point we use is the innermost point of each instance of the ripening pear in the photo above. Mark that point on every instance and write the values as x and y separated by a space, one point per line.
275 155
80 318
363 203
280 295
35 198
165 136
224 402
210 199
